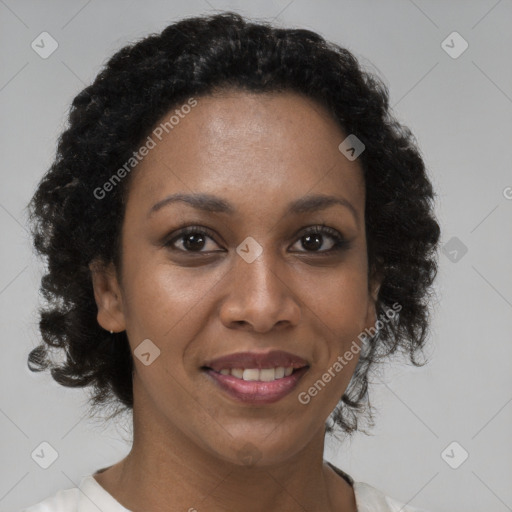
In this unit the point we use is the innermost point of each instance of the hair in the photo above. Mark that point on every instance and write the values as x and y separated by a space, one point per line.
108 121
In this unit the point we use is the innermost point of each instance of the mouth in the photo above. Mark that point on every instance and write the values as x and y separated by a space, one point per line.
257 378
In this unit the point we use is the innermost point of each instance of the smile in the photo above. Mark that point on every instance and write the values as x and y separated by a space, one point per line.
256 378
255 391
254 374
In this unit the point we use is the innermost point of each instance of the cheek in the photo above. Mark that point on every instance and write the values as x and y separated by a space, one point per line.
339 311
164 299
339 299
166 306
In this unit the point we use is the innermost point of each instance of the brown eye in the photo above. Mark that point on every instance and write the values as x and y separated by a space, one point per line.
312 242
191 239
314 238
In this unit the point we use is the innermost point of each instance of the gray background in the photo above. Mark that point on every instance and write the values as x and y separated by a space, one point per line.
460 111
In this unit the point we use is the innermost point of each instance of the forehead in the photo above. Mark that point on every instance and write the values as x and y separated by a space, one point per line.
247 147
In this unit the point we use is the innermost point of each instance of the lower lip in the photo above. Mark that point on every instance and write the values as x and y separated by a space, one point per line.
257 392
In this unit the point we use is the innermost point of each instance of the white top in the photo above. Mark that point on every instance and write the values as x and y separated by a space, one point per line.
90 496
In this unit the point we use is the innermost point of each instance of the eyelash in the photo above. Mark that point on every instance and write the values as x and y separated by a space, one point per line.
340 243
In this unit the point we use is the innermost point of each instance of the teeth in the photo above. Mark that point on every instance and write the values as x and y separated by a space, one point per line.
279 372
263 375
237 372
251 374
267 374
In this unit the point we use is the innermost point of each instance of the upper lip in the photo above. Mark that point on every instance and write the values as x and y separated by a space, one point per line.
259 360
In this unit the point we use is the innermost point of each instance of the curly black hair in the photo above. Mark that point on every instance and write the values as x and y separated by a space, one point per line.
110 118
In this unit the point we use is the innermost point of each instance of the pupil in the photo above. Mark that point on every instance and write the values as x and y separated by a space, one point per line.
194 241
316 244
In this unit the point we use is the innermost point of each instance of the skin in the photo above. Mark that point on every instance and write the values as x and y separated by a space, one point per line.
259 153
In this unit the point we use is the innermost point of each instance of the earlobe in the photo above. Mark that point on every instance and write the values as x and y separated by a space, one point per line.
375 292
107 294
375 282
372 306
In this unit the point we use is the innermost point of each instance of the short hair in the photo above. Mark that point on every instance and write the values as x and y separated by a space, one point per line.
109 119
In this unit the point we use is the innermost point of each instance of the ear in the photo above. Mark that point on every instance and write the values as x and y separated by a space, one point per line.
373 291
107 294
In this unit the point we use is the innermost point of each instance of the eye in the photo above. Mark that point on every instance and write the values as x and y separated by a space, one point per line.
313 238
191 239
194 239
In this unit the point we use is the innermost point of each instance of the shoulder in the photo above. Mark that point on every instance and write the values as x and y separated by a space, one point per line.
89 496
370 499
63 501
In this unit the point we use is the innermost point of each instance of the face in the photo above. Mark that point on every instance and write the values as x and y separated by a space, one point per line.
265 265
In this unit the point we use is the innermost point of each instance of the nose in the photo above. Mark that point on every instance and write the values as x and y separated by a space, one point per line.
261 296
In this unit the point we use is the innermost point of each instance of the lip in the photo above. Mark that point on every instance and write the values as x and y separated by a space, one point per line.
259 360
257 392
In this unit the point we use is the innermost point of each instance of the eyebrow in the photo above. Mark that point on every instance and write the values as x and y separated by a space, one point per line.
212 204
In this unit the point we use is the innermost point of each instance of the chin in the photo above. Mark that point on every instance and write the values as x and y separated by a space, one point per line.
261 448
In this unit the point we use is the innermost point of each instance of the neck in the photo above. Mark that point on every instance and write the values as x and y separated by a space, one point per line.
165 469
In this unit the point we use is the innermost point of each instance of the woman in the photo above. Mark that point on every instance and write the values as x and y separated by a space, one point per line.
236 231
